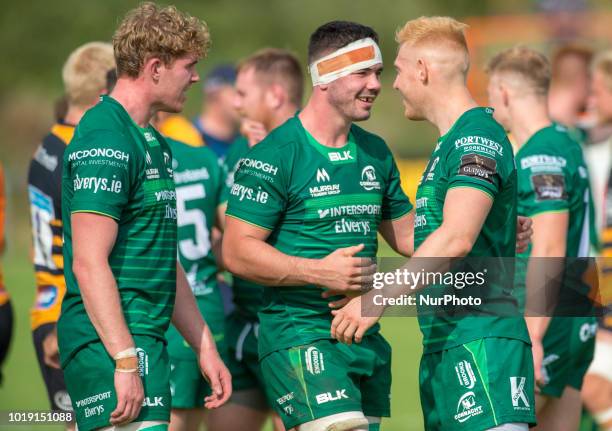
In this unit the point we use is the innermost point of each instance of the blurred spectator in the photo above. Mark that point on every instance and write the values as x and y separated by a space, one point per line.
218 123
569 87
6 309
85 77
599 153
565 22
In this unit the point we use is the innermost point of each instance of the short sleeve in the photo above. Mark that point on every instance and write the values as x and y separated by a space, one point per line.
100 167
395 202
542 184
223 186
478 161
258 194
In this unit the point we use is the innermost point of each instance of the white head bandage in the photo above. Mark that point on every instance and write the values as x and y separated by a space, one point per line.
355 56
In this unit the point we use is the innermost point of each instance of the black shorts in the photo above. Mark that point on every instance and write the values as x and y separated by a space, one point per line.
6 331
53 377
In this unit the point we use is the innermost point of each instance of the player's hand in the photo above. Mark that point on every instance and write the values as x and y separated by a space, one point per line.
254 131
537 350
342 272
130 395
339 303
348 323
50 350
217 375
523 233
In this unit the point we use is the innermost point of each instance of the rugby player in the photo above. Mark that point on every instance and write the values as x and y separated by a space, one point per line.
124 284
200 186
476 372
269 89
553 190
84 76
303 213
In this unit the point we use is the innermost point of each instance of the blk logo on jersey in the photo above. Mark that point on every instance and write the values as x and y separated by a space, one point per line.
337 156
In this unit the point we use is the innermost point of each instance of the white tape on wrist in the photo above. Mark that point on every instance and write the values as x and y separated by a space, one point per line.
127 353
355 56
126 370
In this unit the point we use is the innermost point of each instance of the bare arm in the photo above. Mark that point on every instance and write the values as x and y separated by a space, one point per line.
96 281
246 254
399 234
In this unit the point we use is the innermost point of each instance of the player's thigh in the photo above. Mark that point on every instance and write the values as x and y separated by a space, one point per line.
478 385
186 419
374 365
52 377
561 414
235 417
89 377
310 382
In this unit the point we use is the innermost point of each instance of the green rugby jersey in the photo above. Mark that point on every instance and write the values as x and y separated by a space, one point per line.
247 296
115 168
314 199
474 153
553 177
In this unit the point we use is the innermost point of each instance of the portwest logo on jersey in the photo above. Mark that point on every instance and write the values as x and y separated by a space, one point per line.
352 226
467 408
543 160
465 374
368 179
517 393
326 397
314 360
99 152
322 176
337 156
143 362
479 144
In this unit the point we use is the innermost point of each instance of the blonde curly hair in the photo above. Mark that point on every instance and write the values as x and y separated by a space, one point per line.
151 31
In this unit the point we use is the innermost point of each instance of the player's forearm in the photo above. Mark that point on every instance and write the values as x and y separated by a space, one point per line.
258 261
445 242
103 305
187 318
537 327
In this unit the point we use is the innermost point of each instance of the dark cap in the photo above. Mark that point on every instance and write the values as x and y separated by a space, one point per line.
224 74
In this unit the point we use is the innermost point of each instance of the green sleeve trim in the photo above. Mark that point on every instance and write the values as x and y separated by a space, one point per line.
408 210
96 212
248 222
474 186
547 211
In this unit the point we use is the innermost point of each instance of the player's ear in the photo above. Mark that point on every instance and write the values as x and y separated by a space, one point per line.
422 71
504 95
152 68
275 96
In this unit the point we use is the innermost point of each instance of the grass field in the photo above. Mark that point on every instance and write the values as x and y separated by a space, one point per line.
23 387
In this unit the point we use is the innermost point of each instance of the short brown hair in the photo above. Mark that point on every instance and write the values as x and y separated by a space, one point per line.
531 65
603 64
558 72
84 73
432 29
150 31
274 65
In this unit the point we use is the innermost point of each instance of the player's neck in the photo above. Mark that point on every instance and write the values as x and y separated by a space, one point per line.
129 93
325 123
280 117
527 117
215 123
74 115
443 112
